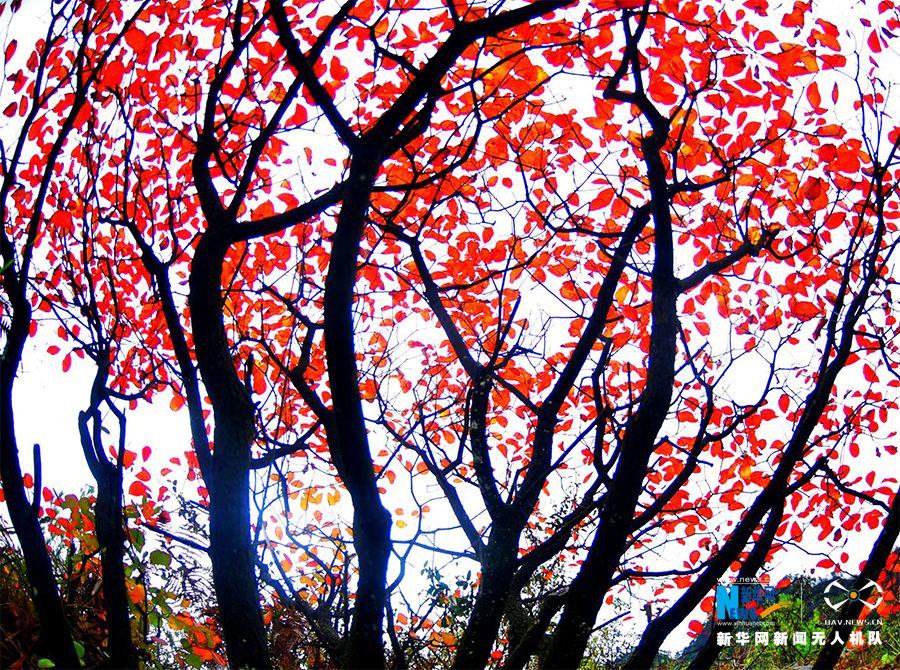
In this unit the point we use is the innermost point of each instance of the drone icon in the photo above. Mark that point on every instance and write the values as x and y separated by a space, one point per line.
852 595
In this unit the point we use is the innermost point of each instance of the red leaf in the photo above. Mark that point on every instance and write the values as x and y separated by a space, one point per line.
113 73
874 42
784 402
145 454
10 50
138 490
67 363
338 70
136 40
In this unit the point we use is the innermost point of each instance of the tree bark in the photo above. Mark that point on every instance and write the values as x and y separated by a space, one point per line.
371 521
111 539
497 569
55 638
617 519
227 470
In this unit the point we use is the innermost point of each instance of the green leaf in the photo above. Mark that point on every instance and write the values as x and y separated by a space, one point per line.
46 663
194 661
79 649
158 557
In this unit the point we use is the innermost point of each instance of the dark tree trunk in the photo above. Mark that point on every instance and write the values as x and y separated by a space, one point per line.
227 470
497 569
111 538
109 520
617 520
234 568
56 637
371 521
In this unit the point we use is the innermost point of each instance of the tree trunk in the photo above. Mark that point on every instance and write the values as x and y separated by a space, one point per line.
111 538
371 521
617 520
56 637
234 568
227 470
497 571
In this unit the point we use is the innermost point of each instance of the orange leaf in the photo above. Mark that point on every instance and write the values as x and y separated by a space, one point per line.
129 458
338 71
137 593
804 310
368 390
113 73
813 95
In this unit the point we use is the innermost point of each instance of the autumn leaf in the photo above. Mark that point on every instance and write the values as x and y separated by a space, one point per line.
874 42
137 593
805 310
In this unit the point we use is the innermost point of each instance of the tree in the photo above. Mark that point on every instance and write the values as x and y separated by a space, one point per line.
400 248
53 97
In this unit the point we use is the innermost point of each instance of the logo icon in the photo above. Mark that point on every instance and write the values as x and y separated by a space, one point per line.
836 594
747 601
